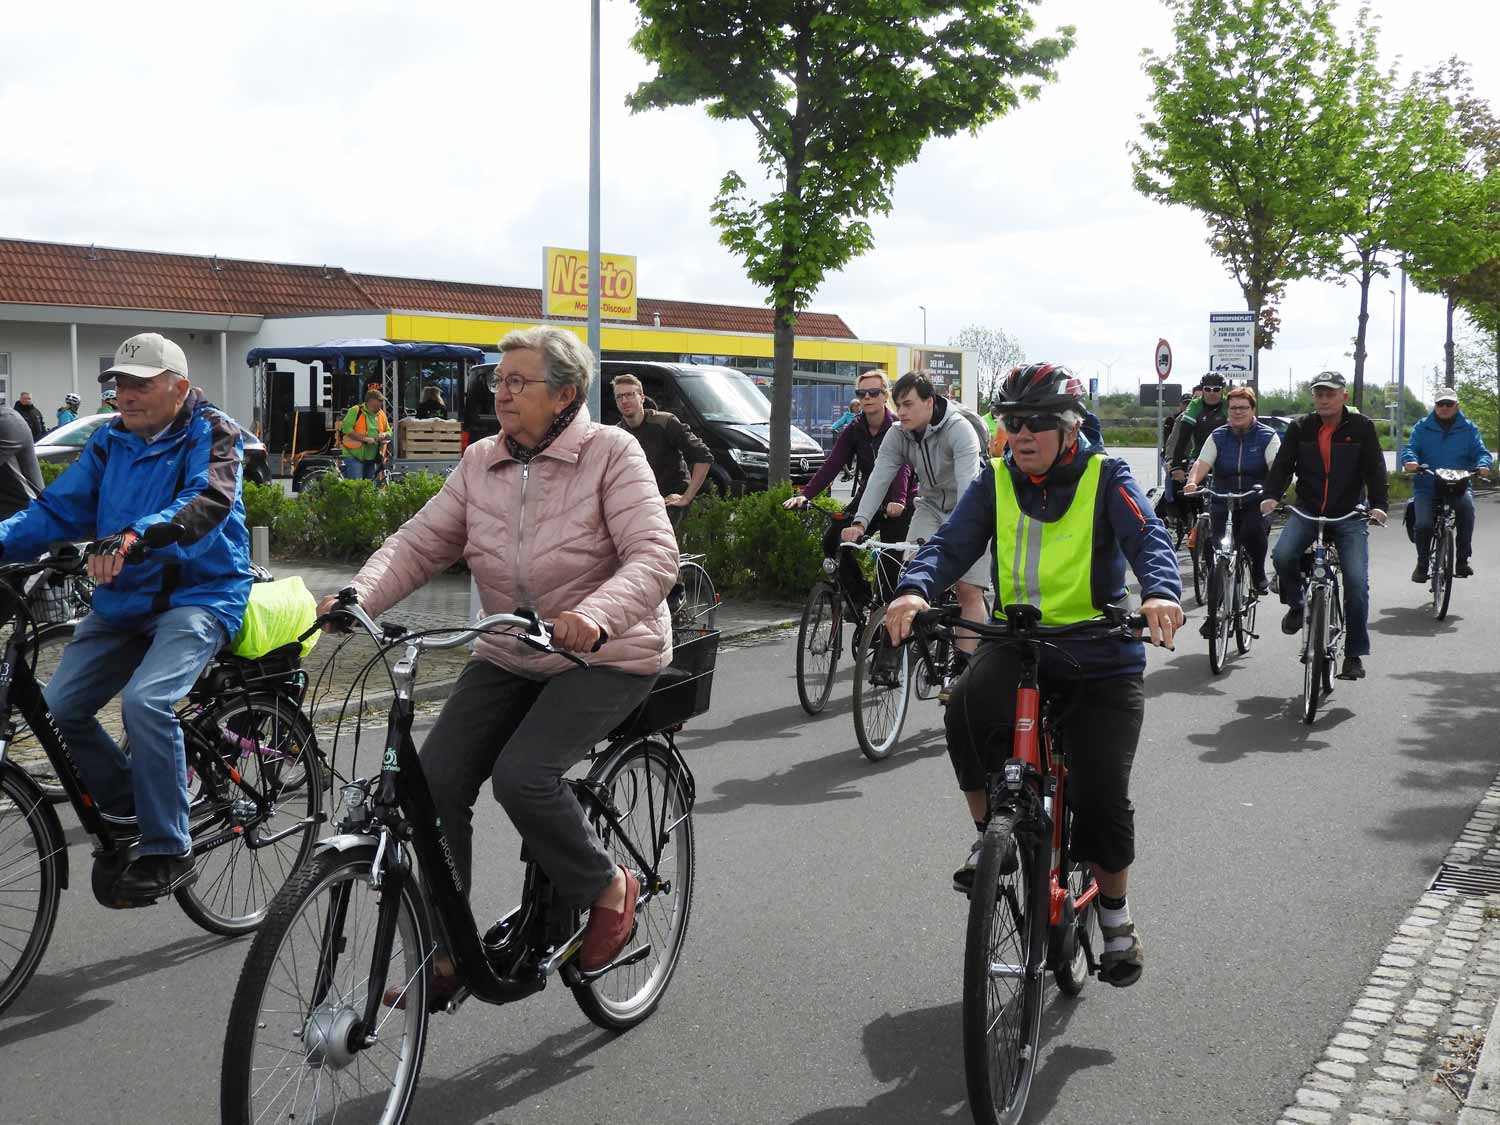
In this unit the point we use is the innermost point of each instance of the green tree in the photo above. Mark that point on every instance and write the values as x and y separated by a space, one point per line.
998 351
1478 376
841 94
1250 124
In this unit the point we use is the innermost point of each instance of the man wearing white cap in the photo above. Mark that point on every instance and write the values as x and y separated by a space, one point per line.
1445 439
171 457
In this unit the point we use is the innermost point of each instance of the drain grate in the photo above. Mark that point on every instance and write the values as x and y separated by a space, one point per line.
1467 879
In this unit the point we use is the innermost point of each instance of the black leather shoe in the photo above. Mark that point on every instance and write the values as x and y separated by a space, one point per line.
1261 588
1419 575
1354 669
1292 622
1463 569
154 876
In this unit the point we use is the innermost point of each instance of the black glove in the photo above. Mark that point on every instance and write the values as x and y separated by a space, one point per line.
126 543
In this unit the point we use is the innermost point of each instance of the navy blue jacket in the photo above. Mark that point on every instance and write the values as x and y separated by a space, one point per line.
1458 446
1125 527
189 476
1240 458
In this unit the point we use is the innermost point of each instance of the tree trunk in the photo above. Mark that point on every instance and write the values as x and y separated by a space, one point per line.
1448 364
1366 271
783 340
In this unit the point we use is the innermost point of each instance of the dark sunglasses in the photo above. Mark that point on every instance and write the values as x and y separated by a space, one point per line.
869 392
1036 423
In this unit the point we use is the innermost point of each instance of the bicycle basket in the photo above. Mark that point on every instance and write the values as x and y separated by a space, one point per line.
48 602
683 690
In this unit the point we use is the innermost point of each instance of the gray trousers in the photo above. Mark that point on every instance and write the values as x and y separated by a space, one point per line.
523 735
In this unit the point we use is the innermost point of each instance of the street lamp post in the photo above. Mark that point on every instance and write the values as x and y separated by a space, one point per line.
594 286
924 324
1401 371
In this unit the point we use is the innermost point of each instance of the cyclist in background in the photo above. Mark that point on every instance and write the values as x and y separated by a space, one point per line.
1065 519
1445 439
68 411
1335 455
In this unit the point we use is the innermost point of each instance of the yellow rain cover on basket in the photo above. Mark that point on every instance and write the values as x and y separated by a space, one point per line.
279 612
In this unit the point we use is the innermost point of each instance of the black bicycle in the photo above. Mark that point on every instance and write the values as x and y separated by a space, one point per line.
309 1033
1442 549
255 801
1323 620
820 633
1232 600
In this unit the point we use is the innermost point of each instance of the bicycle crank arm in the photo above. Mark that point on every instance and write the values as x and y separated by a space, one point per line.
630 958
254 841
568 948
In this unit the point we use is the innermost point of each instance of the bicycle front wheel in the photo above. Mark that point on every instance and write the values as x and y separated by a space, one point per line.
1442 574
25 748
818 639
1220 615
1002 1002
1245 604
650 795
1315 654
880 689
700 602
296 1049
270 744
31 859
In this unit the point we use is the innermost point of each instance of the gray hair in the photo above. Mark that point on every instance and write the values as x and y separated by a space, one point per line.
566 361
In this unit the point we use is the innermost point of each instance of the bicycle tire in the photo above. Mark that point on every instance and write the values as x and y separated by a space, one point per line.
30 844
1079 951
818 638
1201 553
1315 667
258 1042
1245 604
1443 574
652 799
1002 1022
236 883
879 709
700 601
25 749
1219 616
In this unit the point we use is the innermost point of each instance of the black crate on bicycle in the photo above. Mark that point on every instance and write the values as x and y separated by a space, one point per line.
682 691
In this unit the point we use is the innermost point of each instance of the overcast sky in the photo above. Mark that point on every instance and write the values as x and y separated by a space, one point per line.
450 140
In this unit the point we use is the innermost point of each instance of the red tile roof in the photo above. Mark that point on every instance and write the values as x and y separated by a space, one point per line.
46 273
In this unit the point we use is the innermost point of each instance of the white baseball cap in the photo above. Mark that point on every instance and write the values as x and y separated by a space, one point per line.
1446 394
146 356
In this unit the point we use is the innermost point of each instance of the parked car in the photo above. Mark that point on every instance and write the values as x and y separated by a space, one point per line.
1277 422
62 446
726 409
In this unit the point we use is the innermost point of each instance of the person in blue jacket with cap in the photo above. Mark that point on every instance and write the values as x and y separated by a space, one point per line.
1445 439
170 457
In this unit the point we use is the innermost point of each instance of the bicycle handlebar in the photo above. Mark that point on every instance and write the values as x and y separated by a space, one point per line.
873 546
1114 622
158 535
1230 496
1360 510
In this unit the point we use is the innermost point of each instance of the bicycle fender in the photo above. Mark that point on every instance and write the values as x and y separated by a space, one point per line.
346 841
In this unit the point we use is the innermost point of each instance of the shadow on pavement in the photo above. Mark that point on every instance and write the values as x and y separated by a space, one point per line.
1250 734
833 777
1187 673
58 1001
1407 621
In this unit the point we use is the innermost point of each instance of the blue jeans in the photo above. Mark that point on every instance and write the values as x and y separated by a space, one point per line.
1463 507
355 469
1352 538
1251 530
155 662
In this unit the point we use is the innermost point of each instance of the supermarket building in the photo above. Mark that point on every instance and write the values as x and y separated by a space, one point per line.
65 308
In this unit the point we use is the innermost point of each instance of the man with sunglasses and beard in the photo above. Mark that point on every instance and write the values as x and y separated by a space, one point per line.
1064 519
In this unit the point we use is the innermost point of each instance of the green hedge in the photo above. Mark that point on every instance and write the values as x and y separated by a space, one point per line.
335 518
753 546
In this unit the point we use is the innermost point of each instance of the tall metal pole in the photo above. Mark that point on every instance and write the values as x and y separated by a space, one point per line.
1392 292
924 324
594 286
1401 373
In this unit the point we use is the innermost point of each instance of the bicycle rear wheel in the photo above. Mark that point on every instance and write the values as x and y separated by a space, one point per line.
1442 573
272 746
1315 653
31 859
818 639
700 601
294 1048
880 690
1003 951
1220 615
651 797
1245 603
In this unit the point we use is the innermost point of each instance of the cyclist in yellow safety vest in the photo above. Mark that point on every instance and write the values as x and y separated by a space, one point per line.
363 429
1064 519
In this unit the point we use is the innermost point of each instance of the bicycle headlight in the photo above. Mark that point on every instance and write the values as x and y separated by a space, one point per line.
829 567
1014 772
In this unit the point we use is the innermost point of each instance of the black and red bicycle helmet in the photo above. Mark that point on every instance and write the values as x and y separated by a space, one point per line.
1041 388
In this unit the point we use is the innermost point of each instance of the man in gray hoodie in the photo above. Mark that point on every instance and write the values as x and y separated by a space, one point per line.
943 449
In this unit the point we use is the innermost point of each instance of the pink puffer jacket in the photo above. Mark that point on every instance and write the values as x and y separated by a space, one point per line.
581 527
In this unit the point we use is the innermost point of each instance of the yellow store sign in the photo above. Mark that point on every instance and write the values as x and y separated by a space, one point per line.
565 283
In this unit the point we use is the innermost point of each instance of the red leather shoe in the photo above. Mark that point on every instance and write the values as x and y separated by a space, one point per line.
609 930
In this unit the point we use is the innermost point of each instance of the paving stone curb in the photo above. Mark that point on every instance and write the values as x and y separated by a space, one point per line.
1409 1048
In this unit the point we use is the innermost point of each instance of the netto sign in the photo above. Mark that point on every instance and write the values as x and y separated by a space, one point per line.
565 284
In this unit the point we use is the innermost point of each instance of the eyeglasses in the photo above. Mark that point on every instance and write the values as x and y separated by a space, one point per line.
1036 423
869 392
1241 409
629 393
1447 402
515 384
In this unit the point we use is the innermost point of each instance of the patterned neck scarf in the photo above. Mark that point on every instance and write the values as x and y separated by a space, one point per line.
559 424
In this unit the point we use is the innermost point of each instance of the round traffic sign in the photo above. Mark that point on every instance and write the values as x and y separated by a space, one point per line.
1163 360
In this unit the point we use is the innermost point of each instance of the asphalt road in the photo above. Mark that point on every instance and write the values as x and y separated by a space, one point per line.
820 983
